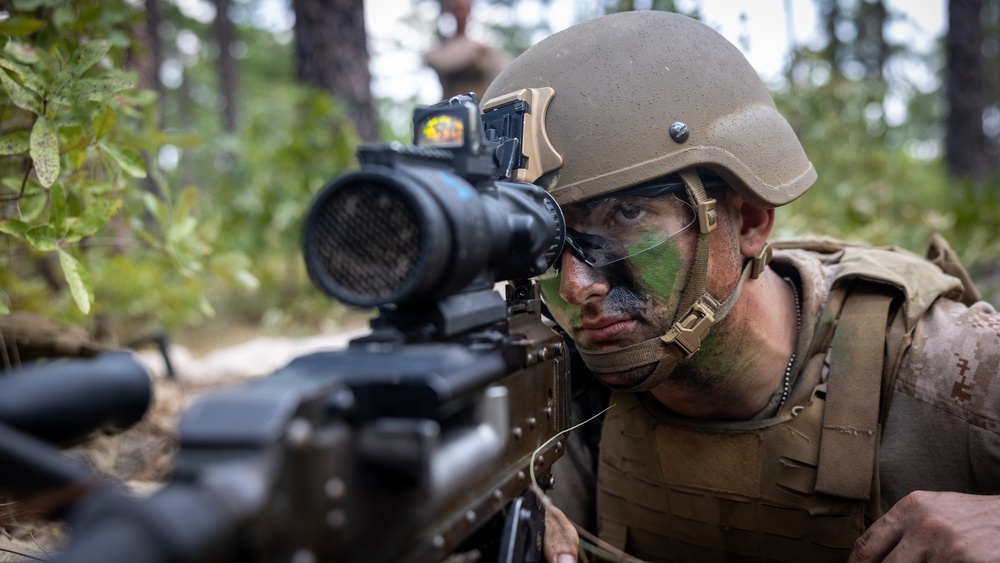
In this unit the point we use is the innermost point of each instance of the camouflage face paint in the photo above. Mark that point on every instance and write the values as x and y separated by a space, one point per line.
565 313
657 266
640 287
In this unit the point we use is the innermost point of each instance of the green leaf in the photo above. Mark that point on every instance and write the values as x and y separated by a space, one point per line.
57 209
21 25
206 307
129 159
156 207
142 97
21 96
63 16
233 267
15 228
97 89
149 239
14 143
32 205
120 39
186 202
76 143
79 283
182 231
43 238
105 121
28 5
87 56
95 216
44 144
3 309
24 74
22 52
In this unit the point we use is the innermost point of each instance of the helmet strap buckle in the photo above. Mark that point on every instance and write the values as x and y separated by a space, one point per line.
706 216
760 261
688 333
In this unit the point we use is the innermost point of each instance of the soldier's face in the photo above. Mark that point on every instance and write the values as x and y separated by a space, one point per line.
640 264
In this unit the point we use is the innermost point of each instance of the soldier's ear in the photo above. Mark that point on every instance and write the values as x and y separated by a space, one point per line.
754 224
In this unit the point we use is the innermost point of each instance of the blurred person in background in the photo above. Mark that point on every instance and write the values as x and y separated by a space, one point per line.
462 64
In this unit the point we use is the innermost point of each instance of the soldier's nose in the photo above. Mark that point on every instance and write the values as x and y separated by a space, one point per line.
580 283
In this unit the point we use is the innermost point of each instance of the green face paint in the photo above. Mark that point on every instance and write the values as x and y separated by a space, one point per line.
657 266
641 287
562 310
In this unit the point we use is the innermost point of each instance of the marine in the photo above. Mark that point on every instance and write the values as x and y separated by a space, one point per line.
809 400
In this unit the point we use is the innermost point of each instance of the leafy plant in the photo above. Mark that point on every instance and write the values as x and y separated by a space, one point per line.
291 140
878 183
76 177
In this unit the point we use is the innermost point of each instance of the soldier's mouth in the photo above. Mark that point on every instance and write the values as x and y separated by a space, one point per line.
603 332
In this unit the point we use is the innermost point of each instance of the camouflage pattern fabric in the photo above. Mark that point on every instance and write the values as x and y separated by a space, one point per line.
942 433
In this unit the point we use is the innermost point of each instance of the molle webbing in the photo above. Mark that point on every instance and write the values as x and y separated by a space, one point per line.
710 492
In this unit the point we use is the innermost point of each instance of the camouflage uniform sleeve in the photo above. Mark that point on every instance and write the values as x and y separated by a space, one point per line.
943 427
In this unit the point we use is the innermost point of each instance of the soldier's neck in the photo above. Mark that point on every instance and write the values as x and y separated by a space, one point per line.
743 363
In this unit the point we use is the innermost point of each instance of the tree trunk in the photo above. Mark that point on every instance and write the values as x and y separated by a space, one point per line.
145 58
872 18
148 66
185 122
872 50
331 53
223 31
830 12
965 143
991 80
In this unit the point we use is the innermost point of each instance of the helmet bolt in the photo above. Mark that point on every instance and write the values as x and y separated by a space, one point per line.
679 131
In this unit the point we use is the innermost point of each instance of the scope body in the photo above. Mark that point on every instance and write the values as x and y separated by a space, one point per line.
406 229
418 224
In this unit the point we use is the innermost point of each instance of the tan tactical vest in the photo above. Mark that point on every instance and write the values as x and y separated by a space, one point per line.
798 487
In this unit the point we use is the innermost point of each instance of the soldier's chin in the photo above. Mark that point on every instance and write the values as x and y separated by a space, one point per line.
628 379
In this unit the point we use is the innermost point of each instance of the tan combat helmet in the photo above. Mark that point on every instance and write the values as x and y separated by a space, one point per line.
631 97
621 83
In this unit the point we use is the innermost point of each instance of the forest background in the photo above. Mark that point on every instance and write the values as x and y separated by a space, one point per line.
157 156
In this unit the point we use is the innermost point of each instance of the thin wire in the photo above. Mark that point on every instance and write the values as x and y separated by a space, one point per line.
593 544
531 467
15 552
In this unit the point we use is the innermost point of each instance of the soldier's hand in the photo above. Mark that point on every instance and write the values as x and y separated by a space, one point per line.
929 526
561 539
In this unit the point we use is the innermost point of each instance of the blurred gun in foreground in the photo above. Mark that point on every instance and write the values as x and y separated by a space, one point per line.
416 442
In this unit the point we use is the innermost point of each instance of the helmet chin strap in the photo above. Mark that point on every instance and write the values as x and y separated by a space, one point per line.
700 309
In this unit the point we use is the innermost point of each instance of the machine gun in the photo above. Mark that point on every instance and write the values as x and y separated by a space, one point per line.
419 441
